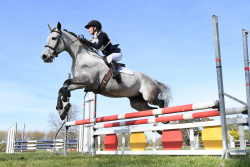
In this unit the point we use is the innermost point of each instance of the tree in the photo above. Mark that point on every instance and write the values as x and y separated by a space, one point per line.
55 122
235 134
234 129
127 138
206 119
158 141
246 132
19 135
50 135
3 136
35 135
186 132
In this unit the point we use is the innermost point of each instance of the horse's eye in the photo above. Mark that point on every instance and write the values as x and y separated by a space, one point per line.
53 38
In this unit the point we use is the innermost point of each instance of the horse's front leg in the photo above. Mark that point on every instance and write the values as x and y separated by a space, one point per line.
63 105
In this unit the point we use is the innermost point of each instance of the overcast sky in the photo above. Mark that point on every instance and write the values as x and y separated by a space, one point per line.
171 41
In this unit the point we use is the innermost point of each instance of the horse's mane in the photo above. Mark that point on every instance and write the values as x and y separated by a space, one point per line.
70 33
87 47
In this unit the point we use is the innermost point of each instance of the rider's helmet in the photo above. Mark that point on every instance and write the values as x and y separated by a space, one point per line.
94 23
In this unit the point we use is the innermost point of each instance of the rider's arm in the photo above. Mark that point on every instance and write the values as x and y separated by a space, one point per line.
102 41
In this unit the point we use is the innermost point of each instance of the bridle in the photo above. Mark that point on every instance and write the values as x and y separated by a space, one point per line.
55 48
77 39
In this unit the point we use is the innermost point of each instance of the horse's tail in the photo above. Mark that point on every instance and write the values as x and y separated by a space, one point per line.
165 93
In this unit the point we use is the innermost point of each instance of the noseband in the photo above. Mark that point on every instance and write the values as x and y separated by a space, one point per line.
55 48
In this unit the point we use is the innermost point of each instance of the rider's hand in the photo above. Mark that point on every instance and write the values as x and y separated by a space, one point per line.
83 40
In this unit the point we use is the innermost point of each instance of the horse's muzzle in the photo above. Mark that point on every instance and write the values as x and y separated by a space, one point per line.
47 59
44 57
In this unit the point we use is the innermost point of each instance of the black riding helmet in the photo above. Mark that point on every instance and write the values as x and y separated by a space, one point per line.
94 23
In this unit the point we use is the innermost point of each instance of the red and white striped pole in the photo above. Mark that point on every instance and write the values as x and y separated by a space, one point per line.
161 111
171 118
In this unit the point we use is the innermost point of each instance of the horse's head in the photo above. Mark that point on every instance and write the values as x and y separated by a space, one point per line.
55 44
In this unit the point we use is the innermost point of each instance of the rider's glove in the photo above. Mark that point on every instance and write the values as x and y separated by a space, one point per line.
82 39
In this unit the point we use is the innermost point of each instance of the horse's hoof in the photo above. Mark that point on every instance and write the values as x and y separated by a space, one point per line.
64 112
67 107
159 132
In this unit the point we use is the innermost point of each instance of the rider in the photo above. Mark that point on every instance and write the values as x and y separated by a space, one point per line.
101 42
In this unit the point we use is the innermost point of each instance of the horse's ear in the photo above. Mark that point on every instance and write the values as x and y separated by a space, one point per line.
59 26
50 27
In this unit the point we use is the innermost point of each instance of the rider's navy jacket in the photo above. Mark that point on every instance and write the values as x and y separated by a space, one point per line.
101 42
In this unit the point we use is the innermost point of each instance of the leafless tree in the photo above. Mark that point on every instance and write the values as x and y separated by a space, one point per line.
35 135
55 122
3 136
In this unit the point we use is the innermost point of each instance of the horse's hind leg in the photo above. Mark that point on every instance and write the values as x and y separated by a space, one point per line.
139 104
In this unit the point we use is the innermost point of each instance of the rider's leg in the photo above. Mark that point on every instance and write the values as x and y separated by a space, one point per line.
112 59
114 56
114 66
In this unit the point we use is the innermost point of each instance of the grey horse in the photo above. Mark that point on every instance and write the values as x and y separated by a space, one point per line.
89 69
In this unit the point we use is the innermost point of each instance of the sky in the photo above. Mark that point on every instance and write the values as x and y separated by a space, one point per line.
171 41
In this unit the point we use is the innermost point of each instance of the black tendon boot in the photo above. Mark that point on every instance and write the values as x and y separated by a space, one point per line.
116 75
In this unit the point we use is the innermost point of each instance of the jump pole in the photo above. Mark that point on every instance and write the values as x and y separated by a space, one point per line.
161 111
172 118
247 76
86 136
226 154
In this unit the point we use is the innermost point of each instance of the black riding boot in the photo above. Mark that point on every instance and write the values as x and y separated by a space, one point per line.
116 75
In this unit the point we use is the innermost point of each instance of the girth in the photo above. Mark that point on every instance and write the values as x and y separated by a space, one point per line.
104 82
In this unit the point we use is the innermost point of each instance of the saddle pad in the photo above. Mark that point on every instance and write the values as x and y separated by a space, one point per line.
125 70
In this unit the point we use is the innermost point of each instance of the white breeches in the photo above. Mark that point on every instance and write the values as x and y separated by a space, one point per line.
114 56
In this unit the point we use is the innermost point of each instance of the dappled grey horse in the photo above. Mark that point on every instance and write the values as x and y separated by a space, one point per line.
89 69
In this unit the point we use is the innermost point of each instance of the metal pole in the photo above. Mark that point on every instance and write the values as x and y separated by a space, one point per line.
82 126
66 128
92 128
86 130
246 63
226 154
54 147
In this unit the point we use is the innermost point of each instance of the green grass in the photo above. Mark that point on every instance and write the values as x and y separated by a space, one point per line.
44 158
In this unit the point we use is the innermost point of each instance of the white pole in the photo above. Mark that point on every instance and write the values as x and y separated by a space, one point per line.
191 136
154 140
123 142
86 129
242 137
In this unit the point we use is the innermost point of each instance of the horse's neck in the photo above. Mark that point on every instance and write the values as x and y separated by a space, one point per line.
80 56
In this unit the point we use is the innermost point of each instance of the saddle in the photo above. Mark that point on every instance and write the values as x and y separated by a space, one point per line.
106 62
107 76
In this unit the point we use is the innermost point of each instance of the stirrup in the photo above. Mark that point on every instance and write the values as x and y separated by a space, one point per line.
115 74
